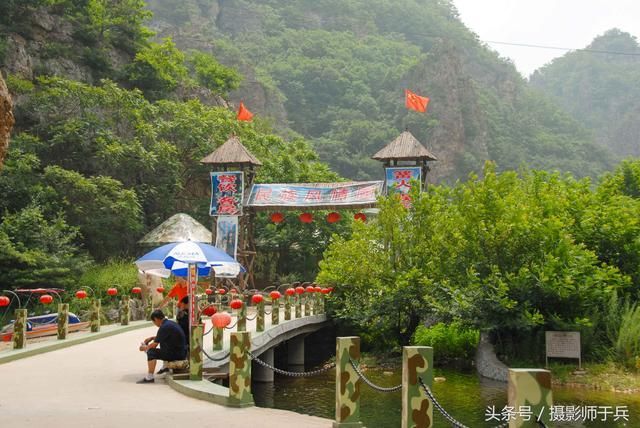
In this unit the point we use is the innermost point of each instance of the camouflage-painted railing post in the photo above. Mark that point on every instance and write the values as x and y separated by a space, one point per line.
305 302
417 410
298 306
63 320
287 308
195 352
348 383
218 302
125 310
173 313
218 336
20 329
260 317
531 388
96 305
321 301
275 311
240 370
242 317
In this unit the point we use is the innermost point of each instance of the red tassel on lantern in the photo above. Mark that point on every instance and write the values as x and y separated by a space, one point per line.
333 217
277 218
306 217
360 216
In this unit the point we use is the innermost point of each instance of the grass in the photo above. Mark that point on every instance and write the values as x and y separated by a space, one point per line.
605 376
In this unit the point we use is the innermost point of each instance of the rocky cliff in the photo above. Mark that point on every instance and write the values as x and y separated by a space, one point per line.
6 120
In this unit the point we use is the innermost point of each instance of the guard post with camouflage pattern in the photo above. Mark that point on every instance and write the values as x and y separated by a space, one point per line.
531 389
63 320
417 409
242 317
173 313
20 329
260 316
298 306
195 352
275 311
348 383
218 335
287 308
96 304
125 310
149 308
240 370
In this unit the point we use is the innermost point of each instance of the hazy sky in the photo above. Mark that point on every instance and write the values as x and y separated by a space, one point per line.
563 23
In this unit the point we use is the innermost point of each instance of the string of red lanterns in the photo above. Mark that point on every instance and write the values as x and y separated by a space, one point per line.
332 217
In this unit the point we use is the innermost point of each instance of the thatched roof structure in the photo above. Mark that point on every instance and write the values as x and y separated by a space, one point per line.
232 152
178 228
405 147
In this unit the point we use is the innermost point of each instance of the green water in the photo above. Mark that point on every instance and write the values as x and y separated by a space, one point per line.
464 395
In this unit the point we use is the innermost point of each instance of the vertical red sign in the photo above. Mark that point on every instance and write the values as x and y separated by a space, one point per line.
193 282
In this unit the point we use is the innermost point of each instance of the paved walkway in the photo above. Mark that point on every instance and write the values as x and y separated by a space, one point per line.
93 385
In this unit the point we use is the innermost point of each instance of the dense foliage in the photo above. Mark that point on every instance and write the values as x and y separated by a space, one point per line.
509 253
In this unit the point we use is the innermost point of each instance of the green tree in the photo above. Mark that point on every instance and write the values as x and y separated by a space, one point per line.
213 75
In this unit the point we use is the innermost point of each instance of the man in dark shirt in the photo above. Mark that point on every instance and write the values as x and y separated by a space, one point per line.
183 317
172 343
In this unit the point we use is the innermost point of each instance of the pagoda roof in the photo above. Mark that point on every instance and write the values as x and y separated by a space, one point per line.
405 147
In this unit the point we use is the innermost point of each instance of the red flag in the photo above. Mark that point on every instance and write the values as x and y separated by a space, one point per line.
244 114
415 102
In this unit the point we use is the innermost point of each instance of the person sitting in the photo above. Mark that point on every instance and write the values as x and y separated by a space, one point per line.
183 317
171 340
179 291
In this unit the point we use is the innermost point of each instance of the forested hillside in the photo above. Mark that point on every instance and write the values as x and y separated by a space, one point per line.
335 70
600 90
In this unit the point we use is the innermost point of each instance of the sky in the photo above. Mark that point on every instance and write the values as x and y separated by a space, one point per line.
562 23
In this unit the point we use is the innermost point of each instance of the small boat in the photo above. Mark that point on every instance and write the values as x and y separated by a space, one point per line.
43 325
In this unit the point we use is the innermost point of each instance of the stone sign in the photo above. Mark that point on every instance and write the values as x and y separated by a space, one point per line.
563 344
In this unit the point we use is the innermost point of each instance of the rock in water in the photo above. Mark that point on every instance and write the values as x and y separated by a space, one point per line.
6 120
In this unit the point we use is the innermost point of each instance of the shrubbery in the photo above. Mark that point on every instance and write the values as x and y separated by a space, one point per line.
450 342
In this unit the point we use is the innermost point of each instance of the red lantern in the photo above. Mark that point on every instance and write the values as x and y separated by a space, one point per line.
325 291
81 294
46 299
299 290
222 291
136 290
318 289
160 290
208 291
209 311
330 289
290 292
310 289
275 295
306 217
334 217
4 301
236 304
221 319
277 218
360 216
257 298
112 291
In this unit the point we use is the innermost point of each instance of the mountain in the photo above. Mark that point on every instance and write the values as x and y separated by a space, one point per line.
335 70
600 90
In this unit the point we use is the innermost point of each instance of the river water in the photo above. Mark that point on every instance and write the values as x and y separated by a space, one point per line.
464 395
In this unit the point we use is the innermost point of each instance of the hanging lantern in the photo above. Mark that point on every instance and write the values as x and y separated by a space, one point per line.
81 294
277 218
333 217
299 290
136 290
222 291
310 289
257 298
4 301
221 319
275 295
318 289
306 217
160 290
330 289
112 291
325 291
208 291
46 299
209 311
360 216
290 291
236 304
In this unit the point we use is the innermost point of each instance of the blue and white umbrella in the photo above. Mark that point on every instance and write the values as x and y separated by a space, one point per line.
175 258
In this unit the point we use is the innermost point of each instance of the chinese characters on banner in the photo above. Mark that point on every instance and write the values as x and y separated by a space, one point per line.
318 195
227 234
398 180
193 300
226 193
